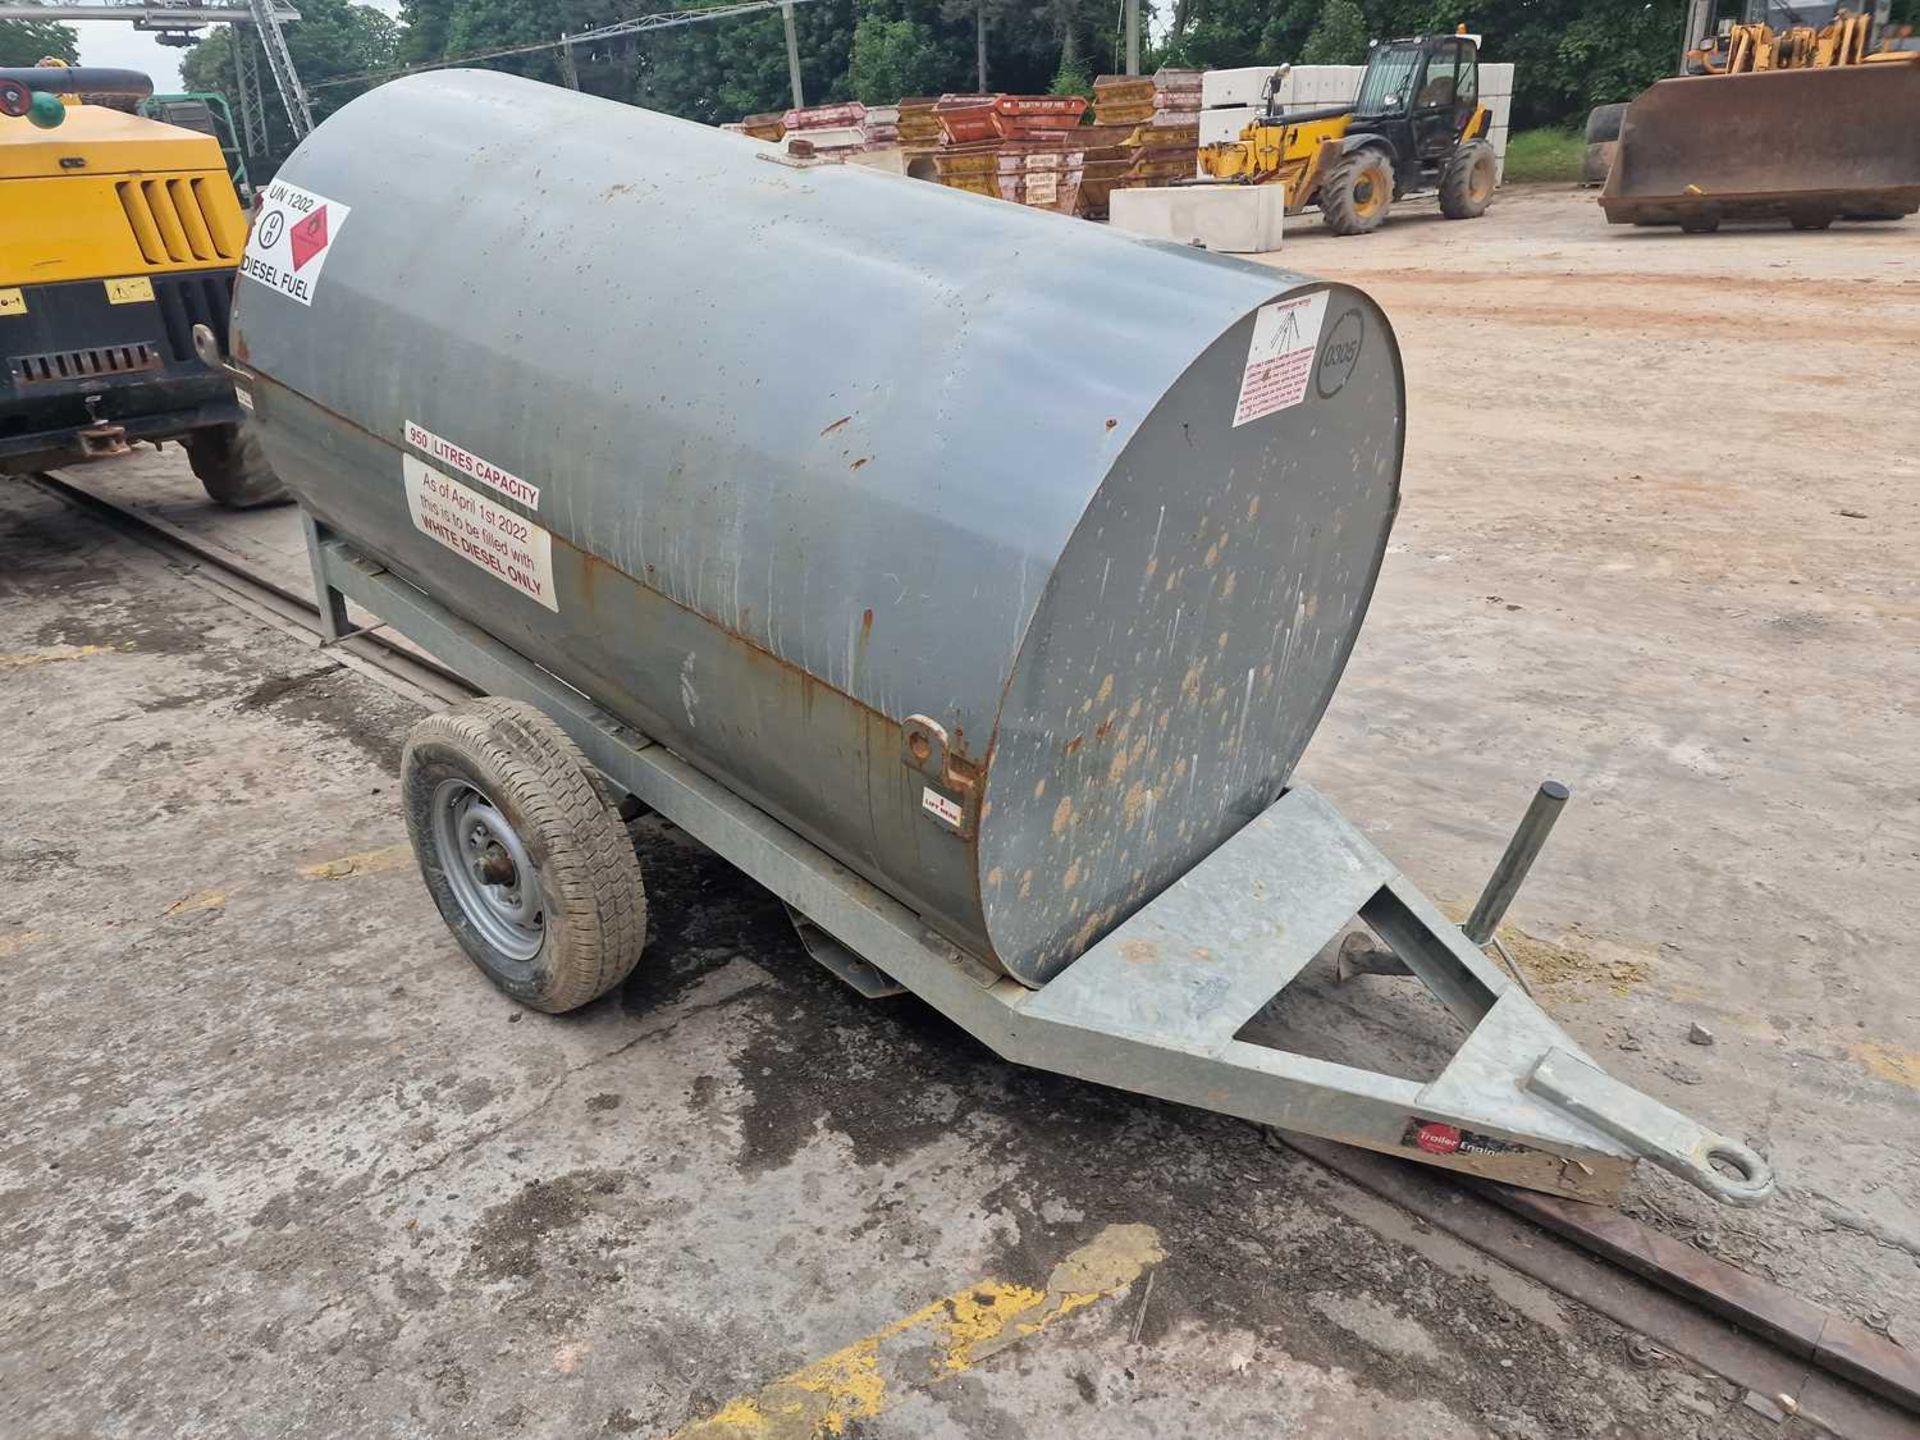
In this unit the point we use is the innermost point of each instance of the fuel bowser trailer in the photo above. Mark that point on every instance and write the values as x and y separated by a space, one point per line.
971 578
118 234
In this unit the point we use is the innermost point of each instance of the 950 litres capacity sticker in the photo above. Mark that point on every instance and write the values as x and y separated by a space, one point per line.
1280 358
512 549
472 466
292 239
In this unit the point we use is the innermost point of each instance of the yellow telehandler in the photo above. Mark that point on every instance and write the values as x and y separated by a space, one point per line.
1416 125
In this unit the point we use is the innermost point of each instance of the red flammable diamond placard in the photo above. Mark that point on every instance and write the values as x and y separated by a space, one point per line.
309 237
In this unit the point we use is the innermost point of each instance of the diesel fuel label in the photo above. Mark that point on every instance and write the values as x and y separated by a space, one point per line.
292 239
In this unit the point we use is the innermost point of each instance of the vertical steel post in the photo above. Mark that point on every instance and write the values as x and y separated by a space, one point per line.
1133 37
793 58
1507 876
335 625
568 71
1698 25
253 113
980 44
273 41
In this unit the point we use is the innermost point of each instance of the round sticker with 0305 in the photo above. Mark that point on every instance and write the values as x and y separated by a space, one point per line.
1340 352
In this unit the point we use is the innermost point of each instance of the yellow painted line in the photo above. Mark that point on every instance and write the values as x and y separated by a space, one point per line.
200 900
48 657
859 1381
366 862
1900 1066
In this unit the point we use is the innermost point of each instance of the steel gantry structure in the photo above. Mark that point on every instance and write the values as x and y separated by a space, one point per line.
175 21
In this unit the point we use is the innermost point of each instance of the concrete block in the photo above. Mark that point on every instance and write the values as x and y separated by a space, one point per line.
1245 86
1318 85
889 158
1231 219
827 139
1225 123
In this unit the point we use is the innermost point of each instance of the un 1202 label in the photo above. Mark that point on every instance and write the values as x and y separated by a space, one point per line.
292 239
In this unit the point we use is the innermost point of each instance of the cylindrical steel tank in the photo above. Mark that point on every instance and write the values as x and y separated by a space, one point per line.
770 459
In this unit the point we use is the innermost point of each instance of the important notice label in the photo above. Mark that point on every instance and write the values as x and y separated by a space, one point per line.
513 550
473 466
1280 359
292 239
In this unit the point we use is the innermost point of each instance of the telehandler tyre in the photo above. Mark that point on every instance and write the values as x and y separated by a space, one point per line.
1466 185
1603 122
232 468
1356 195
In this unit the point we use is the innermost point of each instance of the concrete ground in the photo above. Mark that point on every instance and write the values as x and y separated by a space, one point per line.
277 1162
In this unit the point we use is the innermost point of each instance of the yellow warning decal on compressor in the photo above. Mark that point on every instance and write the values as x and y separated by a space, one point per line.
132 290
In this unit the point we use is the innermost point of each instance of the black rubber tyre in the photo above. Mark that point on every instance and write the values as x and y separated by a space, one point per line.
1701 225
1875 215
1466 185
232 467
1603 122
1812 219
1357 193
1597 162
587 920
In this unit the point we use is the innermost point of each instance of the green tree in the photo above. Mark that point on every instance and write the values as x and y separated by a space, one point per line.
895 58
1568 55
1072 78
1228 33
1339 36
28 42
721 70
331 40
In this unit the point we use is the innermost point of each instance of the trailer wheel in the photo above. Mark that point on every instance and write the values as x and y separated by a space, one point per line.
1700 224
1466 185
232 468
530 868
1811 219
1358 191
1603 122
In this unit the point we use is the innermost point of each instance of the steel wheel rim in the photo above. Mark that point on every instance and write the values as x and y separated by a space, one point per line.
1480 181
488 870
1366 192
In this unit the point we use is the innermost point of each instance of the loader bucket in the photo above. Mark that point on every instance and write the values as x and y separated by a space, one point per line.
1808 146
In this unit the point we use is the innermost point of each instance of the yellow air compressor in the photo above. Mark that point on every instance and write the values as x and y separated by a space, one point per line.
118 234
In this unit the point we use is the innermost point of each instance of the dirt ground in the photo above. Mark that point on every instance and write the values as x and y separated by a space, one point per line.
277 1162
1660 539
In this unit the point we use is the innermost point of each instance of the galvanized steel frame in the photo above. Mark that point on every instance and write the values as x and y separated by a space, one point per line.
1519 1101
